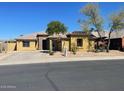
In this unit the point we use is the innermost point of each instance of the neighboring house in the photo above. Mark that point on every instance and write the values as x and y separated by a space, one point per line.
102 33
100 42
117 40
41 41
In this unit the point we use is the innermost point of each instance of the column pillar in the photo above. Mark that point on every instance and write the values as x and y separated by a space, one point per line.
50 45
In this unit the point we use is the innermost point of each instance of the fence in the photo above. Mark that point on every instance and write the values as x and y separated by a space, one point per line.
3 47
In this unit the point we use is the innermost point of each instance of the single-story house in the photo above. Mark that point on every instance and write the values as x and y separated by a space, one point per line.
60 42
41 41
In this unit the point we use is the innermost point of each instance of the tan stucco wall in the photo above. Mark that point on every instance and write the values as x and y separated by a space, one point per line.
40 41
122 42
32 46
65 44
92 45
73 41
11 46
36 45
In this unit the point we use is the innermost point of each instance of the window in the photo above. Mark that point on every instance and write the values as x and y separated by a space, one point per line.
79 42
26 43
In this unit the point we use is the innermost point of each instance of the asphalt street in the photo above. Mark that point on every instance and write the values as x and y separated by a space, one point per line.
64 76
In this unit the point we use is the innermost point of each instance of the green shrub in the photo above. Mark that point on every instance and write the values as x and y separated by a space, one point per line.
51 52
74 48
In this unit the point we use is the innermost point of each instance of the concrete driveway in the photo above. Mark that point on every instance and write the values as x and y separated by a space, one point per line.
18 57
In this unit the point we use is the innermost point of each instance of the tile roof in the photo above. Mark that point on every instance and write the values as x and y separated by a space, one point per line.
114 34
58 36
33 36
42 33
117 34
78 33
29 36
102 33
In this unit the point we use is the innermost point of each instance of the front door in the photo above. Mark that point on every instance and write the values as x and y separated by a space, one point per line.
45 44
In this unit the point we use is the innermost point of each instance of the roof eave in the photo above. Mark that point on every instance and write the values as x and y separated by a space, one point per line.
26 39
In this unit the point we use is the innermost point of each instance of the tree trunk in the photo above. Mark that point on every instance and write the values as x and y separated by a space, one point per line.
99 34
108 45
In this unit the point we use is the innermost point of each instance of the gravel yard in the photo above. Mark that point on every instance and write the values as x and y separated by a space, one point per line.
40 57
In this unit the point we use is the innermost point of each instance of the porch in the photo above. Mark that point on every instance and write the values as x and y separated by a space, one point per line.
54 44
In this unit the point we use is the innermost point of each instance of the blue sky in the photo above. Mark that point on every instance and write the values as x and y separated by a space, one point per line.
26 18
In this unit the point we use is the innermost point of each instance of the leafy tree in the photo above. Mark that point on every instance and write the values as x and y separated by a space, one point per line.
56 27
91 11
95 21
86 28
117 23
